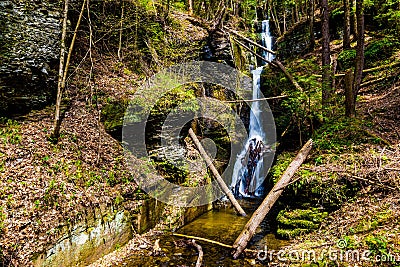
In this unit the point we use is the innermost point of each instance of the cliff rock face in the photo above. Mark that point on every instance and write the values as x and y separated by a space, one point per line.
29 53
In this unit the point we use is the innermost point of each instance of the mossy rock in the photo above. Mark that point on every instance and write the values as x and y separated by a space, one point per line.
291 233
295 222
112 115
312 214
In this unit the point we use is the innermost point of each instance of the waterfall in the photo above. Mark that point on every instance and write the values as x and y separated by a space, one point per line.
266 40
246 180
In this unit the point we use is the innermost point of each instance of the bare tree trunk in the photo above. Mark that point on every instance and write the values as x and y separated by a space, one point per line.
259 215
311 26
284 20
60 85
190 5
326 59
334 68
120 32
275 19
293 15
358 72
346 32
71 46
354 4
90 51
64 71
349 94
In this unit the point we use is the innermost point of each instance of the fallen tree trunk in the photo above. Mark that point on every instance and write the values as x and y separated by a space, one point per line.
250 41
203 239
218 177
211 241
395 64
288 75
259 215
257 99
254 53
275 63
371 82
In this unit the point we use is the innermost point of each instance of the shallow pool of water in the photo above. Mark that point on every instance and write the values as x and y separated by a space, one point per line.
221 225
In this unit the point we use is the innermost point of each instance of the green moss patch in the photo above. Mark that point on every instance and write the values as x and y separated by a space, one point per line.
296 222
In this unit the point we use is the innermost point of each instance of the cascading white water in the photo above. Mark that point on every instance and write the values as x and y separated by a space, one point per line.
246 173
266 40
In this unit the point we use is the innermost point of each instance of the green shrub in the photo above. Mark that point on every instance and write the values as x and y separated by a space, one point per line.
378 245
338 134
380 49
346 59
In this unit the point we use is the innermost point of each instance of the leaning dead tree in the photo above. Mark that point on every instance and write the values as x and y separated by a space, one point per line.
249 40
64 65
259 215
218 177
275 63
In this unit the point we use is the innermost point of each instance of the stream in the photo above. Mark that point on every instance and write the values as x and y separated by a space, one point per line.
222 225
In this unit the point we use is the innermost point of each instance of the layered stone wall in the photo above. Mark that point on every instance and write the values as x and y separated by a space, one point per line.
29 53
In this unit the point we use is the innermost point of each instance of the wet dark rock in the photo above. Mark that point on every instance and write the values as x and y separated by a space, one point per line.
29 53
218 48
296 40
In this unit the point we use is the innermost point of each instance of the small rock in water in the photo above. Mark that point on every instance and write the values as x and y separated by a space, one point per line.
251 261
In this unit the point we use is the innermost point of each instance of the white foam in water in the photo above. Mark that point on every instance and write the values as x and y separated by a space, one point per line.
239 183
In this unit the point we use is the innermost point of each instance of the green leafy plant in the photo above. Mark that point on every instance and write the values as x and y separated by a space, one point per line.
2 218
346 59
10 131
380 49
378 245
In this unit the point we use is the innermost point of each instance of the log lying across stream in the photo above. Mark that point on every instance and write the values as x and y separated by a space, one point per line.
259 215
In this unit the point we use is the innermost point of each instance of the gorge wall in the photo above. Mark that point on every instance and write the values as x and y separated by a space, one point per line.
29 53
